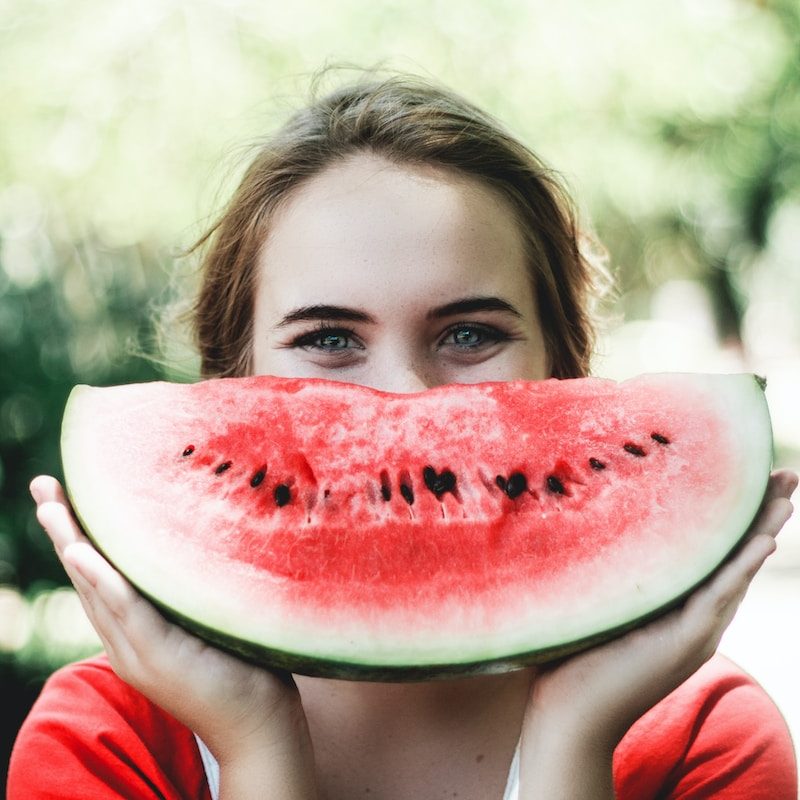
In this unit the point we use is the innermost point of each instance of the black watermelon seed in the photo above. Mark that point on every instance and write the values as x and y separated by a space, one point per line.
659 437
555 485
501 482
189 450
439 483
282 494
516 485
408 493
222 467
596 464
633 449
447 480
428 475
386 486
257 478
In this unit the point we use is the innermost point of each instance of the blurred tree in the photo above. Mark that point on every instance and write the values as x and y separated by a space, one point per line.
45 352
752 157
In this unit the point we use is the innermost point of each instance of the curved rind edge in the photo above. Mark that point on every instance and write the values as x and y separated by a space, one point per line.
70 410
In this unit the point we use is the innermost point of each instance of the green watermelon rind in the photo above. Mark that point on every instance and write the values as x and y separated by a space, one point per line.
406 669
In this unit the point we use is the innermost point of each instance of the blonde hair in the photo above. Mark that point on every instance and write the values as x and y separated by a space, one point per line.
407 121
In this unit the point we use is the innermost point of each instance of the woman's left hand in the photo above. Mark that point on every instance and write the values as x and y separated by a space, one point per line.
590 700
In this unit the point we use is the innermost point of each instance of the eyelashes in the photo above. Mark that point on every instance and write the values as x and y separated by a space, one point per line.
468 336
326 338
464 337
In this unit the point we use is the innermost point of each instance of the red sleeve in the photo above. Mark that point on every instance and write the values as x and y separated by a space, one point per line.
718 735
93 737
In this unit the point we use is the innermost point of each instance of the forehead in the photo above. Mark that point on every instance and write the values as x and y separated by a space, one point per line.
366 228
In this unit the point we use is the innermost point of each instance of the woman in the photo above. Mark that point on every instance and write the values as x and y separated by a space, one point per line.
393 235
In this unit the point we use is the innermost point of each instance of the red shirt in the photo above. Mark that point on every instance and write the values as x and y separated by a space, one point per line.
93 737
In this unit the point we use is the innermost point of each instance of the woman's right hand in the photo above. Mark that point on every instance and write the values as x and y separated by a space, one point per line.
251 719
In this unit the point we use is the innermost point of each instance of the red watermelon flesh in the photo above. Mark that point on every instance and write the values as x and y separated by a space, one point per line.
338 530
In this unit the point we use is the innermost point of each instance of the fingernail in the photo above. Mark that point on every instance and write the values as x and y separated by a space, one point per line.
35 493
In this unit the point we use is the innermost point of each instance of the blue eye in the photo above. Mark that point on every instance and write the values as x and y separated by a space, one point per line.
468 337
332 341
471 337
327 340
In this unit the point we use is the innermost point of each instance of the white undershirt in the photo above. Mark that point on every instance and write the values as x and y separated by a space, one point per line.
212 772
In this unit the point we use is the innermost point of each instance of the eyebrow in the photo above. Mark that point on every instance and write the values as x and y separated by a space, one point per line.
341 313
469 304
324 312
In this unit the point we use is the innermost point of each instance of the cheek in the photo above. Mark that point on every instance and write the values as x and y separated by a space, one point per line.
525 361
539 361
279 362
259 348
531 363
267 358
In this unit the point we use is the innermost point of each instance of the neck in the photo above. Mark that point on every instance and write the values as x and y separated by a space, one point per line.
415 739
397 709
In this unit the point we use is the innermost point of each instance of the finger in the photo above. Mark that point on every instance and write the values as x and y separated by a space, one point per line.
135 617
106 625
782 483
64 533
88 599
772 517
111 603
114 591
709 611
46 489
59 524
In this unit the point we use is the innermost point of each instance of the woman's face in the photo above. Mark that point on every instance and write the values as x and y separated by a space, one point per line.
395 277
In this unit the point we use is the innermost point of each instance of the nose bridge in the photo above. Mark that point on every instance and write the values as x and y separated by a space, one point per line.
405 379
405 371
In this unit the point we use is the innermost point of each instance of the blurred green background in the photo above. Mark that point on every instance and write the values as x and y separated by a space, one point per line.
676 125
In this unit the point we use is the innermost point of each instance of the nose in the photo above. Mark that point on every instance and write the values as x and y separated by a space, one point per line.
406 379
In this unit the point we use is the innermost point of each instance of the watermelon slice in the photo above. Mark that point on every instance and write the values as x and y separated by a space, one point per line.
335 530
